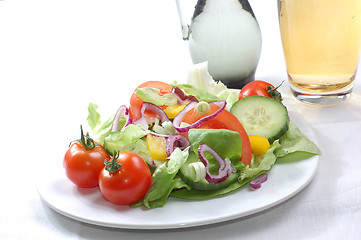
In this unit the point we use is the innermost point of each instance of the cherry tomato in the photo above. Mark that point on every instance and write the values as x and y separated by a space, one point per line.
83 161
136 102
260 88
224 120
125 179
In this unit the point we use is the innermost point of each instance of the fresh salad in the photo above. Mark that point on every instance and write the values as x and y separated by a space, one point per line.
193 140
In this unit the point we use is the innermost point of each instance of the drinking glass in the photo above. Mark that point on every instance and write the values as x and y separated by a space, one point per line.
321 41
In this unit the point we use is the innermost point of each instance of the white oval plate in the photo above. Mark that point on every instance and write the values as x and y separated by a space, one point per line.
87 205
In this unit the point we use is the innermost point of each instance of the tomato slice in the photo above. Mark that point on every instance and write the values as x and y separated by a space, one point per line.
224 120
136 102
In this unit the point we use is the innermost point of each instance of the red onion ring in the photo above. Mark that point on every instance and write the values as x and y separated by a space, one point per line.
154 134
152 162
150 106
115 124
176 141
225 166
257 182
177 120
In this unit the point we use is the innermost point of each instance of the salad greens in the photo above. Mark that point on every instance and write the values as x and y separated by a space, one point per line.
200 78
152 95
295 145
215 138
167 179
131 139
100 129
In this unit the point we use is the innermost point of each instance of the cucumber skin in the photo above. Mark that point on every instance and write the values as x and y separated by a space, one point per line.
281 131
203 184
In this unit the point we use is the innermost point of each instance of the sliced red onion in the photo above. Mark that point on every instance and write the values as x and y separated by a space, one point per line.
115 124
152 162
225 166
150 106
176 141
177 120
184 96
154 134
257 182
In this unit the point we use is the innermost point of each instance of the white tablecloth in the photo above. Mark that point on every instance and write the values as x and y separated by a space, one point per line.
57 56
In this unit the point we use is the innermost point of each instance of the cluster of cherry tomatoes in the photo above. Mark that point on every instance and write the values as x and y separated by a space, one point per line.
123 178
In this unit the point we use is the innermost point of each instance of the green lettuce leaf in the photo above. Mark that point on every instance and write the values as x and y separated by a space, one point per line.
199 93
130 139
226 143
194 194
100 129
164 179
229 96
259 166
151 95
295 146
200 78
165 128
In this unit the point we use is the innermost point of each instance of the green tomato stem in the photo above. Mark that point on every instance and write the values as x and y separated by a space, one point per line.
113 166
85 140
274 93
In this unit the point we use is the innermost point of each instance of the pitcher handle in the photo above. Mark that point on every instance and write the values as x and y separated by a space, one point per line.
185 26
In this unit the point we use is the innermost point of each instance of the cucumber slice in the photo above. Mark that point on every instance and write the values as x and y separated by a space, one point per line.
262 116
186 175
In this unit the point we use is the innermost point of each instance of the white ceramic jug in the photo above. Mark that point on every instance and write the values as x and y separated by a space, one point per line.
226 34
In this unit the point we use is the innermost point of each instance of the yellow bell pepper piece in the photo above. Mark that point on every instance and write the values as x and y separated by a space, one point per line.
156 147
259 144
173 110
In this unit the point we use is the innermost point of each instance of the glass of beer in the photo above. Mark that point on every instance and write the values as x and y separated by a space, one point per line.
321 42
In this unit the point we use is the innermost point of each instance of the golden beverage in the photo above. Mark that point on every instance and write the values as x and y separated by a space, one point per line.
321 41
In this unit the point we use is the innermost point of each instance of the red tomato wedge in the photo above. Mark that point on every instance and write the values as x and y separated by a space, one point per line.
136 102
224 120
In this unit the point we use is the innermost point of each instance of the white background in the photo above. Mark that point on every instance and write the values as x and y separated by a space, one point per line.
57 56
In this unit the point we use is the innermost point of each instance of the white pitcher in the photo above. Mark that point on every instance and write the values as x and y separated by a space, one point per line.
226 34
